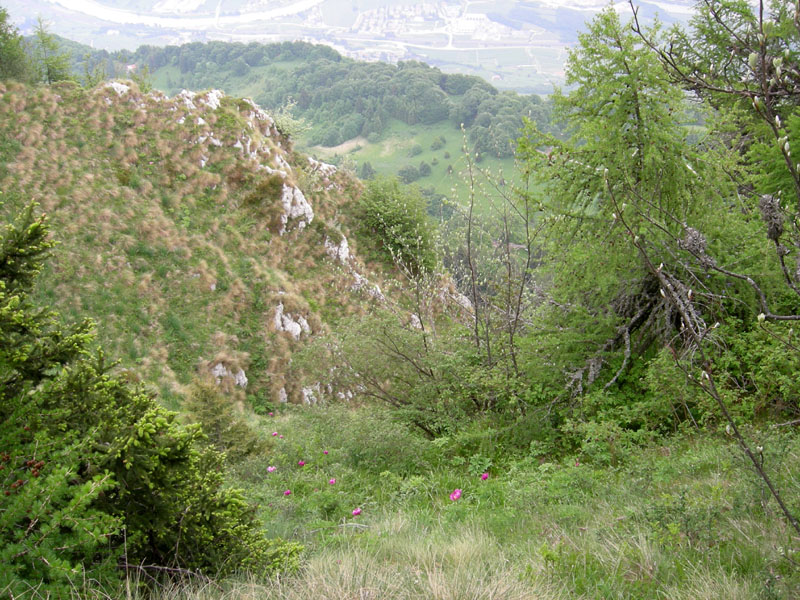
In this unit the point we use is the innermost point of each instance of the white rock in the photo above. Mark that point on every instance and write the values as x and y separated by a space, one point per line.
363 283
310 394
220 372
340 251
462 300
259 113
200 121
321 167
240 379
285 322
212 98
292 327
282 397
279 317
283 164
119 87
295 206
303 324
188 99
415 322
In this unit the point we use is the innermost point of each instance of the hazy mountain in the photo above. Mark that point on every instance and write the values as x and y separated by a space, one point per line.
516 44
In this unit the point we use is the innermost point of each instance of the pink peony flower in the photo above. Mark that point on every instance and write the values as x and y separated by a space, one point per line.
356 512
301 463
332 481
270 469
455 495
324 451
484 476
280 437
271 414
287 492
274 433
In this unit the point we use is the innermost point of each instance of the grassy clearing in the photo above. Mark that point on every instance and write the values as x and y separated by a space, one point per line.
440 146
681 519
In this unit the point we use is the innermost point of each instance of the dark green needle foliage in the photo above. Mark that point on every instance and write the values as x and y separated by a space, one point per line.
95 476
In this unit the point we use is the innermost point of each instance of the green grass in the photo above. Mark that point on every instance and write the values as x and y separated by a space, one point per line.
682 519
392 152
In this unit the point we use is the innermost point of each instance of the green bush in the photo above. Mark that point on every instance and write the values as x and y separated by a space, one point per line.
94 473
398 216
225 428
408 174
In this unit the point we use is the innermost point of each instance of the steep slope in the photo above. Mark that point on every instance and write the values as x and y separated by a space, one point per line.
187 227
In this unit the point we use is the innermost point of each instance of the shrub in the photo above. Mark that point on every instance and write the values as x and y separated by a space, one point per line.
398 216
408 174
93 469
225 428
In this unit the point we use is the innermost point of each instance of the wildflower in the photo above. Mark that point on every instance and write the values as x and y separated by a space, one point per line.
332 481
274 433
280 437
301 463
325 452
484 476
270 469
356 512
455 494
287 493
271 414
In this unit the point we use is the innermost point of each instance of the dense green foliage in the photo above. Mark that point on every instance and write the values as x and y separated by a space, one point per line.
397 218
639 280
51 63
41 58
13 60
96 476
629 294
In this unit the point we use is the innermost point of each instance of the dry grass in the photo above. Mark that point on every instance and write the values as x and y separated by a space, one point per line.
407 563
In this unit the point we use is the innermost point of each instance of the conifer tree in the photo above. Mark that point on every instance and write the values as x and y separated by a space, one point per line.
95 477
14 63
52 64
623 118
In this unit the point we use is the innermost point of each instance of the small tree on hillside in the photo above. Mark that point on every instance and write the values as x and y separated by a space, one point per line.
52 64
14 62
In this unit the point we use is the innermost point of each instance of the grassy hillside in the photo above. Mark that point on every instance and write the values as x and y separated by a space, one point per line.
439 146
182 229
674 520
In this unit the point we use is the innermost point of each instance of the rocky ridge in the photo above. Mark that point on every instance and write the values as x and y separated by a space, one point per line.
189 229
